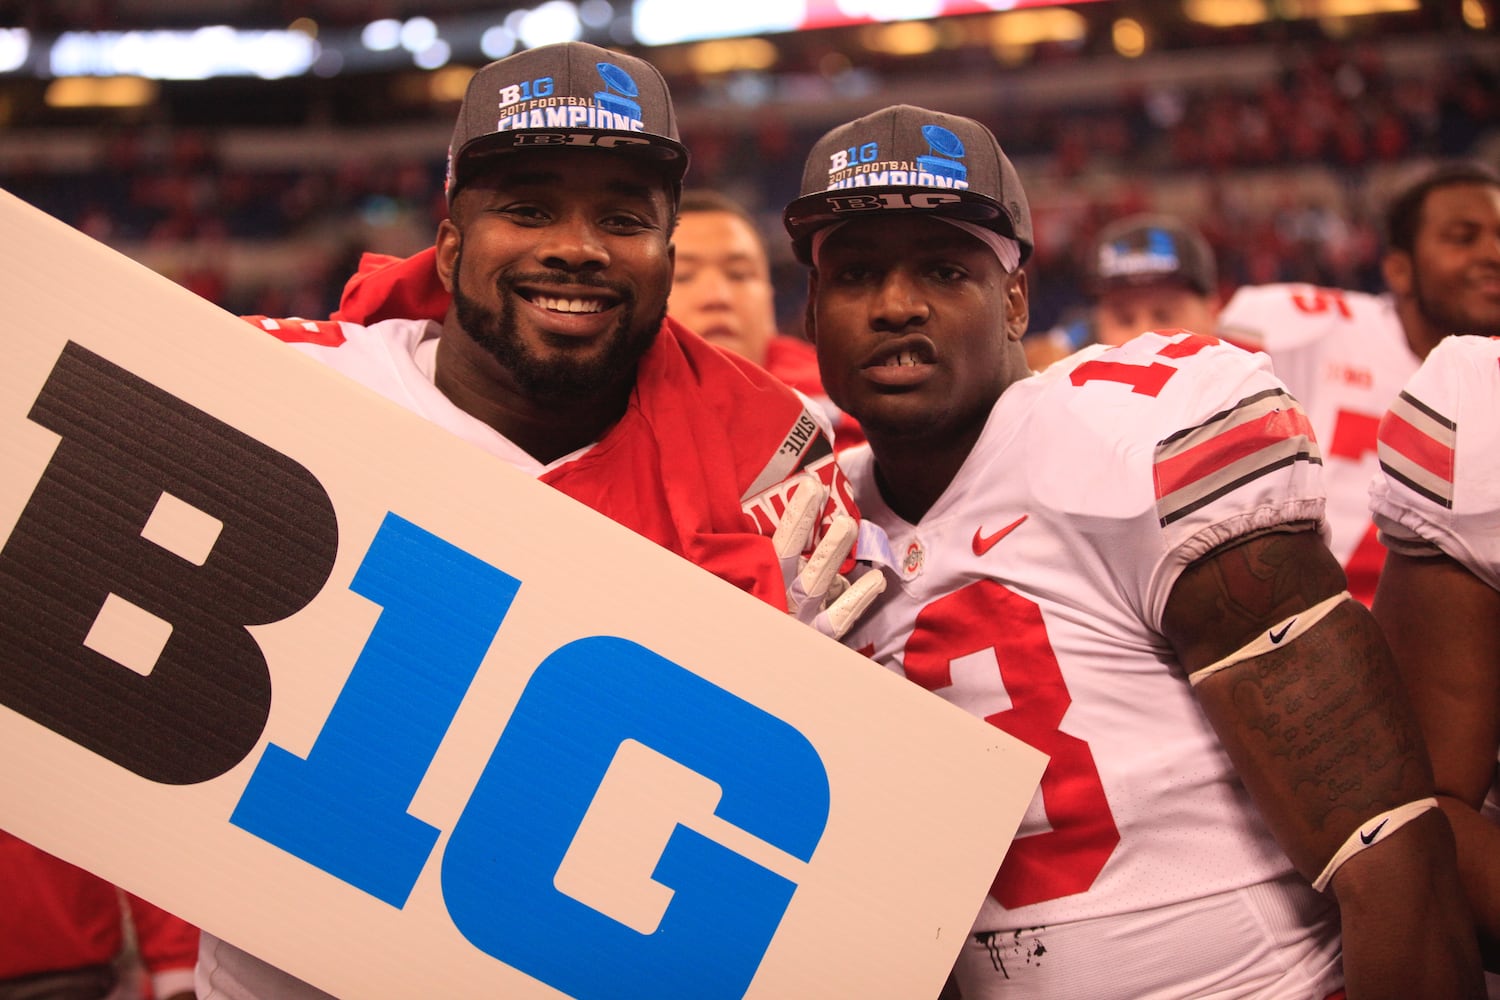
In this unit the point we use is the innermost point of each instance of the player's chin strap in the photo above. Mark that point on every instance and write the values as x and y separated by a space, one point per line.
1277 637
1371 832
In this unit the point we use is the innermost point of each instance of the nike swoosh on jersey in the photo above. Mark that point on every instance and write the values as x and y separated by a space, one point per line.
1276 636
1415 445
983 543
1369 838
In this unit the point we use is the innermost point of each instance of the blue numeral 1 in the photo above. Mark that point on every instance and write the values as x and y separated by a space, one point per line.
344 808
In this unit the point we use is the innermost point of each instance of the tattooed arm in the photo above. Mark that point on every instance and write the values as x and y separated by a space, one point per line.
1323 737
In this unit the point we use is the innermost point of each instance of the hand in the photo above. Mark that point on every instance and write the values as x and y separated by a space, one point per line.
816 594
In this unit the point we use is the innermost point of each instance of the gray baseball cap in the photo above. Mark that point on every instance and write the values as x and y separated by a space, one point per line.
903 159
572 96
1146 249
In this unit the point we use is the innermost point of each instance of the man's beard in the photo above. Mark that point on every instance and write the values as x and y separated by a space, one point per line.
557 378
1435 310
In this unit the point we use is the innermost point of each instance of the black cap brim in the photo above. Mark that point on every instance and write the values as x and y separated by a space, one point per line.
810 213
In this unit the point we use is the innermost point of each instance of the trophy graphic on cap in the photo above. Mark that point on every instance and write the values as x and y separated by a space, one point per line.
619 98
950 149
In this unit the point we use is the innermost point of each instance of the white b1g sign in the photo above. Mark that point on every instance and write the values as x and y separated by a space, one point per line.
321 678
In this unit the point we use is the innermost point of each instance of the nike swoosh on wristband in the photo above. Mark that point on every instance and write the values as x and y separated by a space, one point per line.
1275 636
1369 838
983 543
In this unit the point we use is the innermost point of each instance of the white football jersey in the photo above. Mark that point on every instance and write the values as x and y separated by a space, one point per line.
396 358
1439 483
1344 355
1032 593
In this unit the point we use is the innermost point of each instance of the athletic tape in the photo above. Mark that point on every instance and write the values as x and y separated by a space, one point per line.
1277 637
1371 832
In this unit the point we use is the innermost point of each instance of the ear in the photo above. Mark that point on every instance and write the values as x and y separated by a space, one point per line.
1396 267
809 323
1017 306
449 239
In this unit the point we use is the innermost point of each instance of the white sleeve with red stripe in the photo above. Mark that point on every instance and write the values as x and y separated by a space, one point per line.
1439 482
1227 449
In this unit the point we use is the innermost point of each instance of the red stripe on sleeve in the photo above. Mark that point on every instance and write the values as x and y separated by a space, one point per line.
1421 449
1221 450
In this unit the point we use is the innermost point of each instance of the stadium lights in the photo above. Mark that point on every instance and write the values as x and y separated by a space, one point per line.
891 10
449 84
731 55
665 22
1129 37
198 54
596 14
1226 13
15 47
497 42
1345 8
382 35
1033 27
434 55
96 92
554 21
907 38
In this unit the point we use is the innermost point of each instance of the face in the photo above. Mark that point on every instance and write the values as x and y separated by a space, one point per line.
1453 276
559 264
917 326
721 289
1122 313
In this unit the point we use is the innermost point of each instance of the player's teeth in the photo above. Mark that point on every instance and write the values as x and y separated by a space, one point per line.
570 305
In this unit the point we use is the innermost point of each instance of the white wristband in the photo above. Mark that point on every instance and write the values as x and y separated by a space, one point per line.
1371 832
1277 637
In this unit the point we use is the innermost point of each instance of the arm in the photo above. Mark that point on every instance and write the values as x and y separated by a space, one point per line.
168 947
1323 738
1443 625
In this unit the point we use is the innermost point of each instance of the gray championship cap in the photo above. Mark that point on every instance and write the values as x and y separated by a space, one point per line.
904 159
1150 249
573 96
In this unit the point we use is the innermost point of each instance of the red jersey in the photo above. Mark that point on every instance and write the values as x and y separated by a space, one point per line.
56 916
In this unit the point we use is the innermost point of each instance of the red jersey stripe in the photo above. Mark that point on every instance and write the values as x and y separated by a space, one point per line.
1419 448
300 331
1228 447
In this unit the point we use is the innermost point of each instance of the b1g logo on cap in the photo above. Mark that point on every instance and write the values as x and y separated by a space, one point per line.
526 90
890 200
945 151
867 152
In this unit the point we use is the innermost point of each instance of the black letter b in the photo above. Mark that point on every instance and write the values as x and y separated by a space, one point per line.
200 707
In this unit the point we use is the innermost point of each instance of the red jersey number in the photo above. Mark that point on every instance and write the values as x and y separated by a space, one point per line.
1147 380
984 616
1313 300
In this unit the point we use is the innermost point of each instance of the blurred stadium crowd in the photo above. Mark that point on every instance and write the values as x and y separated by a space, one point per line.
1281 150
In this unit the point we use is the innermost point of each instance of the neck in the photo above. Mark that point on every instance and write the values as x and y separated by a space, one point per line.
913 472
545 429
1421 336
